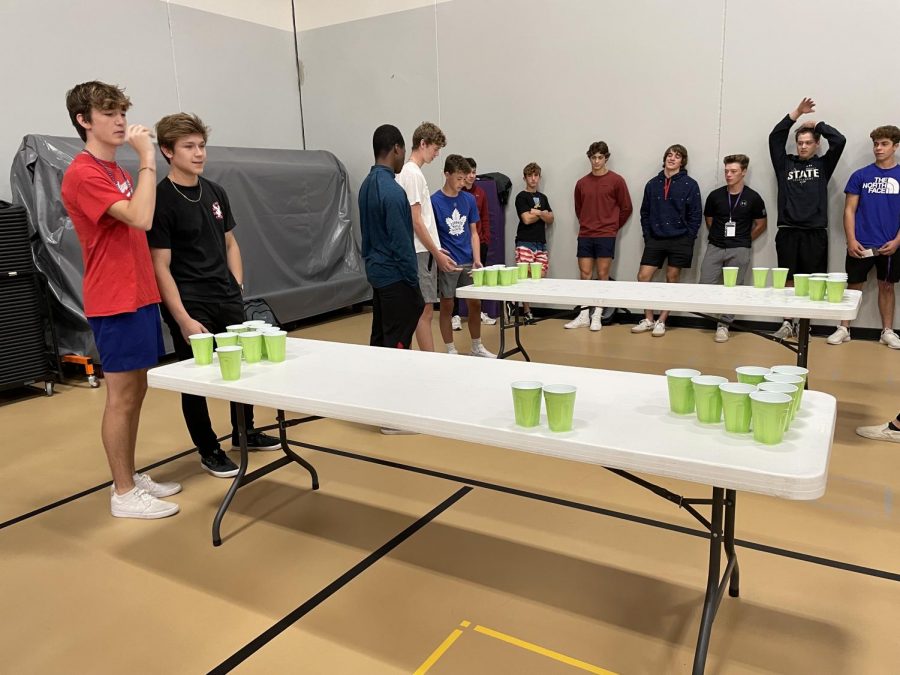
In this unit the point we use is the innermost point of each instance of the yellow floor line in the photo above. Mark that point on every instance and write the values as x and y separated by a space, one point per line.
562 658
437 653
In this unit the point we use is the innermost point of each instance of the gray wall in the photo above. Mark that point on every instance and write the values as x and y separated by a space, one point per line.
513 82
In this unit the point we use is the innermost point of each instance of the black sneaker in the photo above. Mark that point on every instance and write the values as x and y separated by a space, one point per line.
529 318
218 464
256 440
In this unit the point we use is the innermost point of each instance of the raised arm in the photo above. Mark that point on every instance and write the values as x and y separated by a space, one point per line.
138 211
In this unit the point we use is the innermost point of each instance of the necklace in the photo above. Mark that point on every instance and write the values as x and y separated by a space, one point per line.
192 201
109 174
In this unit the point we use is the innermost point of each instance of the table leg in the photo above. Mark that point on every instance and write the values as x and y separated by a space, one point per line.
730 506
236 483
282 435
803 345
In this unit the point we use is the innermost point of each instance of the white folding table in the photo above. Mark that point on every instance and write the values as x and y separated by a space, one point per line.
702 299
622 423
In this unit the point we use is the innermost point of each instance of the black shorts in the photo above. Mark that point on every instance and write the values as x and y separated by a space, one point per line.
396 309
596 247
887 268
801 250
678 250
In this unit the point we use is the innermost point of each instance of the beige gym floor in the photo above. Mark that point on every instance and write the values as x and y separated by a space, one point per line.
495 583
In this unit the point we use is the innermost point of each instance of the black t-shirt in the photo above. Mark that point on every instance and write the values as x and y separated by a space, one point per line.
193 225
537 231
743 209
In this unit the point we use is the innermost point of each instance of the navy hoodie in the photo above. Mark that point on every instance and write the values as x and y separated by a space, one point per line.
676 212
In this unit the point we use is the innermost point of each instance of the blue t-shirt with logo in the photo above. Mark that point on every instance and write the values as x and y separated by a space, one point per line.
455 218
878 212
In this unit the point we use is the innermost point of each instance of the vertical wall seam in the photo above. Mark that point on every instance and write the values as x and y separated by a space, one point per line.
721 80
299 73
172 43
437 62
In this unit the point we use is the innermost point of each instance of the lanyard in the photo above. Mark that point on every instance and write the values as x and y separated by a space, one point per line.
731 206
110 175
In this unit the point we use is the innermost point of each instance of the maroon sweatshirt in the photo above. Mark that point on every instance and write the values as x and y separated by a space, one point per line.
602 204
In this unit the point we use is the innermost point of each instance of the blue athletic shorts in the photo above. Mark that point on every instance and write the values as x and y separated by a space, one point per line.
129 341
596 247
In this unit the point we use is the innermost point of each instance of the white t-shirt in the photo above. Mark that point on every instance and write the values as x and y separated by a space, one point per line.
412 180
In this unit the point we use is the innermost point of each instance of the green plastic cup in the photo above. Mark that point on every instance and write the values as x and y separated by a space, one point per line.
537 270
681 391
729 276
491 276
228 339
251 341
787 378
736 406
790 369
276 345
230 361
760 275
751 374
255 324
514 274
202 346
835 290
527 402
506 276
237 328
779 277
769 412
522 267
801 284
560 402
708 398
791 390
817 288
478 276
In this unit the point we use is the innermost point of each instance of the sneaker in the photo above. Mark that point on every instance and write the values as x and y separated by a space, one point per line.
256 440
456 322
643 326
880 432
889 338
485 319
451 349
659 329
481 350
138 503
154 489
580 321
721 334
529 318
786 331
390 431
218 464
839 336
596 323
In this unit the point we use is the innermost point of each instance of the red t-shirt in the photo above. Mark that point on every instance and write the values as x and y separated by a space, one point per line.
118 271
483 226
602 204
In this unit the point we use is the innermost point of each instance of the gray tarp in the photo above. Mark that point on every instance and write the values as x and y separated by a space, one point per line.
301 253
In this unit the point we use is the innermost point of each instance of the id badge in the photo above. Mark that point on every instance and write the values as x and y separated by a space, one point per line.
730 228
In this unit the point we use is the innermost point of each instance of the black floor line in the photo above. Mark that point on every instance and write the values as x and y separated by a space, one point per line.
276 629
764 548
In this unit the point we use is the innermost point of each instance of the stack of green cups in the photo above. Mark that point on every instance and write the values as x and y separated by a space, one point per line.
708 398
729 276
681 391
787 378
769 412
202 347
527 402
801 285
736 406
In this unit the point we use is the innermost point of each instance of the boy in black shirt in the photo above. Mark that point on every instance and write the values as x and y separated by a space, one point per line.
735 216
535 214
198 268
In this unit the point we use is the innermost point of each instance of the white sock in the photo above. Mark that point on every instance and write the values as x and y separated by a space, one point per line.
450 346
476 343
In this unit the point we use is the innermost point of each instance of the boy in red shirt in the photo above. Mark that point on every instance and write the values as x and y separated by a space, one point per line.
111 215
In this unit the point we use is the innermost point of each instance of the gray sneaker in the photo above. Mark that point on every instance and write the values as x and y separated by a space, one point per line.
785 332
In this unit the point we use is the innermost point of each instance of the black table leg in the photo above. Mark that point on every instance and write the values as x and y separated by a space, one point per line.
289 451
803 345
236 483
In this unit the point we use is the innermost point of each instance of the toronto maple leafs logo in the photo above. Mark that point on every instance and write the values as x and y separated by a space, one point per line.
456 223
217 211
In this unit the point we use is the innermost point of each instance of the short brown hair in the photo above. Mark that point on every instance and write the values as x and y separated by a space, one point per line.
173 127
807 130
456 164
530 169
472 163
430 133
598 148
743 160
681 150
84 97
888 131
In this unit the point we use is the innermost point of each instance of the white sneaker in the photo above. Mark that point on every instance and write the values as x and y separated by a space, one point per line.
485 319
580 321
481 351
880 432
643 326
889 338
456 322
451 349
659 329
596 323
786 331
840 335
138 503
158 490
721 334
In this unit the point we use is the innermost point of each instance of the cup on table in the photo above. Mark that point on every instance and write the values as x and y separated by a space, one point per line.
237 328
817 287
790 369
478 277
230 361
251 341
708 398
834 289
729 276
255 324
491 276
783 388
787 378
760 275
770 410
527 402
751 374
522 268
513 274
779 277
276 345
681 391
560 402
202 347
227 339
801 284
736 406
537 270
506 275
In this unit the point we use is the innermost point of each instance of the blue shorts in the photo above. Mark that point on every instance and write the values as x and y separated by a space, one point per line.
596 247
129 341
